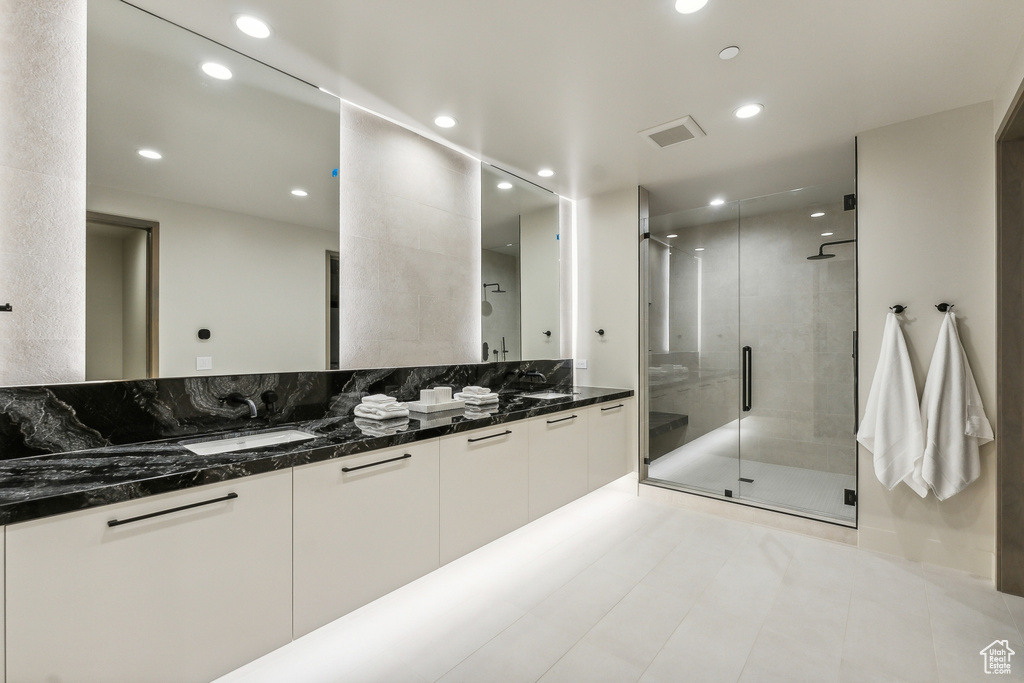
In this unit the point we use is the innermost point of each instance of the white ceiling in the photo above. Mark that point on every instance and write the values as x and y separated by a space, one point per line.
568 83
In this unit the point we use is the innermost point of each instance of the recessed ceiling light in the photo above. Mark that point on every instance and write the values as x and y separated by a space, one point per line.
218 71
729 52
717 202
699 249
300 193
827 234
690 6
504 185
251 26
670 236
150 154
748 110
545 173
445 121
817 214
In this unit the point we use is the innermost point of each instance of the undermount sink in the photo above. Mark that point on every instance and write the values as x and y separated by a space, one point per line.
230 444
547 395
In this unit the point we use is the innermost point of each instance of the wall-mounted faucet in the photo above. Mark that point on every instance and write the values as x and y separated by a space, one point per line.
237 399
534 373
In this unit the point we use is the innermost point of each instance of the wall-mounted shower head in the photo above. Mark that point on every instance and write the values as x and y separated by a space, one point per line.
497 288
821 255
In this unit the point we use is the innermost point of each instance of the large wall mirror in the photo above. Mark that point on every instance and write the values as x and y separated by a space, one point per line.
519 268
217 257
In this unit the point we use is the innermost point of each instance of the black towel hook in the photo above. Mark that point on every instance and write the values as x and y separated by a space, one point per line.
898 308
943 307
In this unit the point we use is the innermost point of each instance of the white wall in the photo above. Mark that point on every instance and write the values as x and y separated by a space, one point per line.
410 247
926 194
42 191
608 298
1010 87
258 285
539 279
104 287
135 266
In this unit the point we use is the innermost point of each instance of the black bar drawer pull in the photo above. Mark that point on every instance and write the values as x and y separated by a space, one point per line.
119 522
613 407
563 419
374 464
492 436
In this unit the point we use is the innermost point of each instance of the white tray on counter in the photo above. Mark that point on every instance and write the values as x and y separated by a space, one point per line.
417 407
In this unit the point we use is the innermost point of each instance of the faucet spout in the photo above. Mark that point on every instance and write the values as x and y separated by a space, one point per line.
237 399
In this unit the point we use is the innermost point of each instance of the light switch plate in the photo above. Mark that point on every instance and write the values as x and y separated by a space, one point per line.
204 362
581 363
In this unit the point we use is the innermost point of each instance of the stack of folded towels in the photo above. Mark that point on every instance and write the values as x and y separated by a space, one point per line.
476 396
371 427
381 407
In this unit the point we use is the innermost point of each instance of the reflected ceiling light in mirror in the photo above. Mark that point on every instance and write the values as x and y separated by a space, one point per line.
504 185
668 237
445 121
817 214
251 26
729 52
690 6
300 193
748 110
827 234
699 249
150 154
218 71
717 201
545 173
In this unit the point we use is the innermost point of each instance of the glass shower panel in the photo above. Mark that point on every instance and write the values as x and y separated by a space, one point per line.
693 362
798 319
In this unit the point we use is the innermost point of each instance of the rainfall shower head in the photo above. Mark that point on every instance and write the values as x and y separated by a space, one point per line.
821 255
497 288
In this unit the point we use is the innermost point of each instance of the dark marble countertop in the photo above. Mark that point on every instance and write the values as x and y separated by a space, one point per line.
44 485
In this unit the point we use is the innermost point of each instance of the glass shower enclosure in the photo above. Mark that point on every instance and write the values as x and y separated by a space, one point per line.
751 368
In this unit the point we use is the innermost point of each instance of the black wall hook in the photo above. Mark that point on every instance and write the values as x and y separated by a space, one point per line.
546 333
898 308
600 332
943 307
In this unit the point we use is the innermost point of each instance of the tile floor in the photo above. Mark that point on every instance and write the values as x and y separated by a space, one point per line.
616 588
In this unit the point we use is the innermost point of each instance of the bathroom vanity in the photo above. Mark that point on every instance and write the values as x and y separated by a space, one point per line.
120 560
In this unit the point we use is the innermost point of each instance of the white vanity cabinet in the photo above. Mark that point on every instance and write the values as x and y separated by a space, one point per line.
364 526
185 586
611 453
484 486
558 460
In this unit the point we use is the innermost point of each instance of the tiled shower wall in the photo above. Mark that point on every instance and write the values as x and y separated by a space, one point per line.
409 248
42 190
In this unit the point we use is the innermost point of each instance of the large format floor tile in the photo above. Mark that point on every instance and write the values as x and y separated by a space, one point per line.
619 589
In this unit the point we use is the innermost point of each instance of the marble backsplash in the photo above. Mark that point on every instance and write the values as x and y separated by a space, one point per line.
37 420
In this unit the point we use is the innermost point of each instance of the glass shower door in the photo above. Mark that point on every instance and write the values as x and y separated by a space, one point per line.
693 337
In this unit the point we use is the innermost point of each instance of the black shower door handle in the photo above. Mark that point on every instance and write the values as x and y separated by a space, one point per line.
748 378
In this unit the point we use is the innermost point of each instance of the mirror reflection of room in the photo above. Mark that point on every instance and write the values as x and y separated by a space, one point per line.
519 299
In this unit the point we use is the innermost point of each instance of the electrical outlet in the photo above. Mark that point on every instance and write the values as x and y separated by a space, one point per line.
581 363
204 362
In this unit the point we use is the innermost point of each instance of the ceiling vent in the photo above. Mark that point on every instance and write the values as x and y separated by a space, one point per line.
674 132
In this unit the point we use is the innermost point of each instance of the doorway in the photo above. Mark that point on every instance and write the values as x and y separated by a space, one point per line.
121 297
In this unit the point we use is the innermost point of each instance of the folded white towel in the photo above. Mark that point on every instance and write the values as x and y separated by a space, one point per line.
476 399
477 412
476 390
379 398
891 428
381 427
384 412
953 417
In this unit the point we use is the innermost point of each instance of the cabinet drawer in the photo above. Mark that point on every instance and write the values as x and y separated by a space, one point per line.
484 487
612 450
184 587
364 526
558 460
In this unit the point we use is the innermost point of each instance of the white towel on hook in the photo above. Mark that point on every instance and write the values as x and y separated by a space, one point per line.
953 417
891 428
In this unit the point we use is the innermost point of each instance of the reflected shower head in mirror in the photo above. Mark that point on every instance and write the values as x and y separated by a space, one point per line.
497 288
821 255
